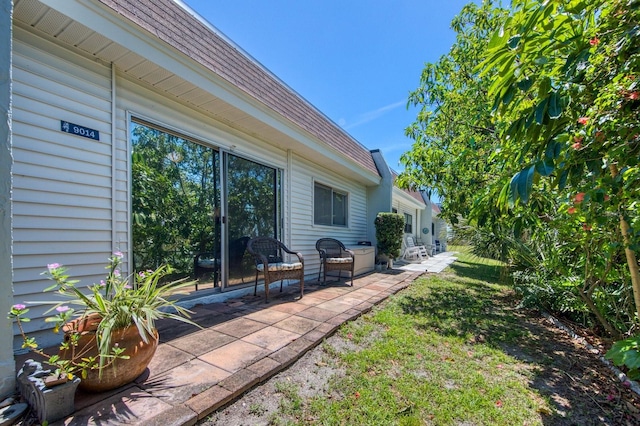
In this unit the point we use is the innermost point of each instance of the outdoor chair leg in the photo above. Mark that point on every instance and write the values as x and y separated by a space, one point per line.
255 285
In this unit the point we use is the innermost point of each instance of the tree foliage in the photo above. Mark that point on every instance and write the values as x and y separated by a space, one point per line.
176 202
529 127
454 133
175 199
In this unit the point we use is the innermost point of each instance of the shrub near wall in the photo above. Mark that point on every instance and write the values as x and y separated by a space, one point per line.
389 232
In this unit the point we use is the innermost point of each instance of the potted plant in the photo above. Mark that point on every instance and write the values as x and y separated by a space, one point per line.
109 331
389 231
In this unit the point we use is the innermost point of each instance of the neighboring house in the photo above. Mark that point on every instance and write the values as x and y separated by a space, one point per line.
439 224
103 97
413 205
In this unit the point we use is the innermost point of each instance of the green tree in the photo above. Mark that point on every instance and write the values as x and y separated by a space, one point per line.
529 129
175 199
567 79
454 132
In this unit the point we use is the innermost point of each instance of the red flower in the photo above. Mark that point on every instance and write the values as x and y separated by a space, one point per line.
571 210
594 41
579 197
606 197
357 395
498 403
577 142
583 120
586 227
633 96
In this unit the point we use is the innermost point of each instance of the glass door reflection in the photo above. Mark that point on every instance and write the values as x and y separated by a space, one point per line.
252 200
175 204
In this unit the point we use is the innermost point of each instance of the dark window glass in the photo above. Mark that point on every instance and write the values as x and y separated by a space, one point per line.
329 206
408 223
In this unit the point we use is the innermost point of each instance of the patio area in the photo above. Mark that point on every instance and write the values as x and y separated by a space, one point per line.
243 342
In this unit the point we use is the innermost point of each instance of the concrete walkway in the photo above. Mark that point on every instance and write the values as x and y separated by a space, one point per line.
244 341
434 264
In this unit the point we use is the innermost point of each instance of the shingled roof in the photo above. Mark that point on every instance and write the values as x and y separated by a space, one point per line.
179 28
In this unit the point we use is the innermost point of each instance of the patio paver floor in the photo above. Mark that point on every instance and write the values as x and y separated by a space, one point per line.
244 342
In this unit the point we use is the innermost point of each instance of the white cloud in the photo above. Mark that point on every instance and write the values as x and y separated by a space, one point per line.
372 115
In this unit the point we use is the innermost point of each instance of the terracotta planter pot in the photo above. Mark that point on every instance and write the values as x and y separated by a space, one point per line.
121 371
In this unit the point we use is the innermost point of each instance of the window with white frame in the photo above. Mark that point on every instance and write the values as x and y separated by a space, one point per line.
408 223
329 206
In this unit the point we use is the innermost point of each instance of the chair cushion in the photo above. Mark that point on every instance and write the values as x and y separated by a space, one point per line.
208 263
281 266
339 259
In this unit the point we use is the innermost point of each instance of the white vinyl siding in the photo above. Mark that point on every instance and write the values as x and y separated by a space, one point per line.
304 233
62 183
407 210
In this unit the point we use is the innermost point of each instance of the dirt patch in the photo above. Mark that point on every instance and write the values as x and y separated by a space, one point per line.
308 377
580 387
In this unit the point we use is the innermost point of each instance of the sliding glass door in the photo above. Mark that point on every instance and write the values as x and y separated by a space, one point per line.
253 209
195 208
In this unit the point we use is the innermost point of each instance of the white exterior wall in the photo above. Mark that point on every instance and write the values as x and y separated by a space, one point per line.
440 229
62 183
299 232
379 197
415 216
426 219
304 233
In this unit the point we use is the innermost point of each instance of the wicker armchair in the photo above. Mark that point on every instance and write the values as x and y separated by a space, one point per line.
334 256
269 257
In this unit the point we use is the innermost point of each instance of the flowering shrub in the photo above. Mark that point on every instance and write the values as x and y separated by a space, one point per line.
113 304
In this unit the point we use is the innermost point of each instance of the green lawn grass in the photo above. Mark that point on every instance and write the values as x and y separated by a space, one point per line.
432 355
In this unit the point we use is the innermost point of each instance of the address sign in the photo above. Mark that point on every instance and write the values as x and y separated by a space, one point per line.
75 129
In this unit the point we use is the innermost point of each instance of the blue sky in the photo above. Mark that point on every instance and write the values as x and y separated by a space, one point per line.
354 60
